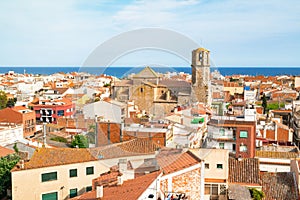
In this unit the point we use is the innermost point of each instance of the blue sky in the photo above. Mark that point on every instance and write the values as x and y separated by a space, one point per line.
64 33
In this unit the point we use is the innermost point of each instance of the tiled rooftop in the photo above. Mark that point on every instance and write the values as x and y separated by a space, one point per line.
47 157
129 190
5 151
10 115
244 171
279 186
276 154
238 192
133 147
172 161
107 179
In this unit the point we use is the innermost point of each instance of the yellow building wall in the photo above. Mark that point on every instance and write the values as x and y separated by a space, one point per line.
27 184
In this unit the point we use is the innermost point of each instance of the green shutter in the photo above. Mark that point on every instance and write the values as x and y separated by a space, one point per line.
50 196
88 188
49 176
73 172
73 192
89 170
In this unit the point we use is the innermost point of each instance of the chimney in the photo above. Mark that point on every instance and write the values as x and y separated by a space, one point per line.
99 191
122 165
44 134
168 95
120 180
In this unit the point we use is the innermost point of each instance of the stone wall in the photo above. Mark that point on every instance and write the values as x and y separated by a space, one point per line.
188 183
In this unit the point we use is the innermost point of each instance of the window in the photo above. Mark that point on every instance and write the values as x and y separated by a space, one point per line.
219 166
233 147
142 89
214 190
200 56
222 131
221 145
206 166
88 188
73 192
50 196
73 173
60 113
207 189
49 176
89 170
234 134
243 148
243 134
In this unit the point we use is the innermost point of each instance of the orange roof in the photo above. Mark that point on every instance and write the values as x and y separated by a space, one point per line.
131 189
137 146
47 157
107 179
5 151
173 162
18 108
231 84
10 115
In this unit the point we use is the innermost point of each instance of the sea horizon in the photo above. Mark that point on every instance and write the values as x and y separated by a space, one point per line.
123 71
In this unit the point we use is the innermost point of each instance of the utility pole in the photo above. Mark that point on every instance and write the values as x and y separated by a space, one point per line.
44 134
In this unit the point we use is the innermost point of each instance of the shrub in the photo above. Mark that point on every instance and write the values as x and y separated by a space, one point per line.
59 139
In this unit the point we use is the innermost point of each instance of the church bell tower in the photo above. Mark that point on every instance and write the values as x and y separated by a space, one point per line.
201 75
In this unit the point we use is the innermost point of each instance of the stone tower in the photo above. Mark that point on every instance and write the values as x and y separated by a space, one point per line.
201 75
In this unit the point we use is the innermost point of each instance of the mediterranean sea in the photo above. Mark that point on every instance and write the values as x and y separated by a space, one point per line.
121 72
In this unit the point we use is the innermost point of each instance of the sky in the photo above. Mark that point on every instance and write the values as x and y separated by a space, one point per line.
64 33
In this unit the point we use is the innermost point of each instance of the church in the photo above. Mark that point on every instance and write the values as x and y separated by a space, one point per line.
158 96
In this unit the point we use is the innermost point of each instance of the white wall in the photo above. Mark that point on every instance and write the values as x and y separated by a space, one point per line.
274 165
10 134
107 110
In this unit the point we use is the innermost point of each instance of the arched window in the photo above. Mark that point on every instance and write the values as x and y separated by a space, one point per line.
200 56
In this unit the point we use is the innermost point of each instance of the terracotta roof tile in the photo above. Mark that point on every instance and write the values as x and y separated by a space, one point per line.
46 157
280 185
107 179
176 161
236 192
138 146
129 190
5 151
244 171
276 154
10 115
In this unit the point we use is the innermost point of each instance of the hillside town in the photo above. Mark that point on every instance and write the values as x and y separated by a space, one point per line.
150 135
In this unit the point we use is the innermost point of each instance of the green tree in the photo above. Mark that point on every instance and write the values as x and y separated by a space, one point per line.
16 148
264 103
3 99
256 194
79 141
6 164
